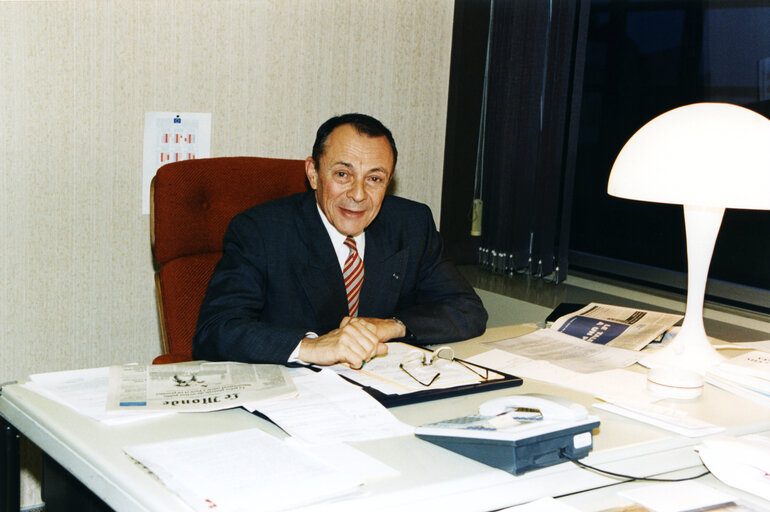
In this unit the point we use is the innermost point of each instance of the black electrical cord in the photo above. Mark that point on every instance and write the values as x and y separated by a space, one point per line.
631 478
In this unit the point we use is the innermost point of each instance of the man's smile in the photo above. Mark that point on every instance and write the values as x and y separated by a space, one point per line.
355 213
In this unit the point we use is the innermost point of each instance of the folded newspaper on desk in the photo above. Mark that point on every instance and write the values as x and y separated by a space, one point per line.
616 326
134 392
198 386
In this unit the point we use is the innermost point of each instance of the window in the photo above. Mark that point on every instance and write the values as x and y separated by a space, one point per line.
643 58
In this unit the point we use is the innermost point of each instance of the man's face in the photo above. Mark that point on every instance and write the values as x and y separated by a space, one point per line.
354 174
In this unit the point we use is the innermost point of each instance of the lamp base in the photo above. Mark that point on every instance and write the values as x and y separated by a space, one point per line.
688 350
678 369
675 383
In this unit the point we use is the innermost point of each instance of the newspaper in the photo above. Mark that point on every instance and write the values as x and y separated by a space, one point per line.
199 386
616 326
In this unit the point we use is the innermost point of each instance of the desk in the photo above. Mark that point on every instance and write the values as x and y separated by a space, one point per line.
609 497
431 478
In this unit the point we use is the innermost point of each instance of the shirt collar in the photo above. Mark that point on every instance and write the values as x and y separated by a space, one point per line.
338 240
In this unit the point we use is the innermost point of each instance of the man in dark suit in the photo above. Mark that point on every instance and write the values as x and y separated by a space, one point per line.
330 275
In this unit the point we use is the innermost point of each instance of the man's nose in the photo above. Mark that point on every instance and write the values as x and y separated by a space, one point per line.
356 191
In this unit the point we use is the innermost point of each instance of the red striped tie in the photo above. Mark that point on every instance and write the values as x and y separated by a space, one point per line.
353 272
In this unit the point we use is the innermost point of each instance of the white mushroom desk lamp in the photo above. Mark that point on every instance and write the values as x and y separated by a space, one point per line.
707 157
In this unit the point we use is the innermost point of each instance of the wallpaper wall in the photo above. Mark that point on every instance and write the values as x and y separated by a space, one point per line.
76 78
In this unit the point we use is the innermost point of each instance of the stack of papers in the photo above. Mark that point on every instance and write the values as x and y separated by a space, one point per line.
84 391
131 392
250 470
328 409
243 471
747 375
678 497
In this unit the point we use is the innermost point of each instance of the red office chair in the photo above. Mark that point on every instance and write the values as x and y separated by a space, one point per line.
191 204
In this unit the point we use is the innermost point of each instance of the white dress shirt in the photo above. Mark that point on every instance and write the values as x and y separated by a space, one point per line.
342 251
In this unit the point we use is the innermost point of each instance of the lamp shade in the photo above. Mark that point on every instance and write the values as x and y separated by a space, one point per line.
705 154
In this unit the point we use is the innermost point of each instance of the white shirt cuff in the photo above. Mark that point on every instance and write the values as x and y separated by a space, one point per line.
294 357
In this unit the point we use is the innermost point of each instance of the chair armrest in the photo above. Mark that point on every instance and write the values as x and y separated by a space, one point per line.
171 358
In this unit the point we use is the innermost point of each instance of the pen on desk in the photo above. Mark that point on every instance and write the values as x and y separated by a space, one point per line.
363 363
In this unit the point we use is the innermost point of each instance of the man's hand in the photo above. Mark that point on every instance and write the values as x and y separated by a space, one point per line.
386 329
354 342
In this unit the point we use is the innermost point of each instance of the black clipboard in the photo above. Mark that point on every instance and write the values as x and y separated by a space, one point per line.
394 400
564 308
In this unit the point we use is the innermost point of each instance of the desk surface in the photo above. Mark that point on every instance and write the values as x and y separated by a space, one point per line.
431 477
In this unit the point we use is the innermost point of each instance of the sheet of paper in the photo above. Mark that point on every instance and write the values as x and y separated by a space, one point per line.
567 351
347 459
624 392
330 409
632 384
84 391
736 388
677 496
747 375
667 418
235 471
542 505
763 346
195 386
172 137
752 364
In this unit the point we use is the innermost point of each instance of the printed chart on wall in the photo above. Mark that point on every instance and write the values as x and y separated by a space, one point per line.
171 137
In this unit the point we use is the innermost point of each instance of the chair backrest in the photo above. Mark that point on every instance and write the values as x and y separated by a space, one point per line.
192 202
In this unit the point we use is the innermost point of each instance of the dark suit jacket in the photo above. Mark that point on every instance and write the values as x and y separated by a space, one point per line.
279 278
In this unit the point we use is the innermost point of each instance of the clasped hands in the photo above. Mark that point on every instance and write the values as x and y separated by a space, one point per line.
354 342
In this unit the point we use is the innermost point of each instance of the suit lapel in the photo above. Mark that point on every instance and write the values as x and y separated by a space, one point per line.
385 264
320 273
384 267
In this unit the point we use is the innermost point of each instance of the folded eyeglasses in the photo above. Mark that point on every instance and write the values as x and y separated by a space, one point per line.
425 367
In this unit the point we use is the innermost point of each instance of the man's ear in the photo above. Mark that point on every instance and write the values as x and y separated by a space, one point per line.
311 173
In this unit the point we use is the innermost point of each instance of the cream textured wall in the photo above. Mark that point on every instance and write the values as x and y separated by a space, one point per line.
76 77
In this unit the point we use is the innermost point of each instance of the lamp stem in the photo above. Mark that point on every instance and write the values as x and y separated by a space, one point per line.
691 349
702 225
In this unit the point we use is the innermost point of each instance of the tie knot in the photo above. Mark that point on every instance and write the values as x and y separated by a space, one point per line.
351 244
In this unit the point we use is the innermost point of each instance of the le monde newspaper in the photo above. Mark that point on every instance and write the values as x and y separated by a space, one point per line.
195 386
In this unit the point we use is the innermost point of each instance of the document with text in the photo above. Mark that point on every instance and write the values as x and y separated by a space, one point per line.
392 375
616 326
243 471
746 375
198 386
567 351
328 409
84 391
